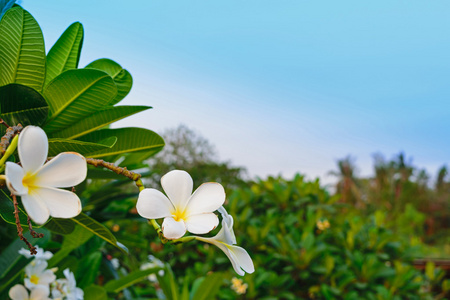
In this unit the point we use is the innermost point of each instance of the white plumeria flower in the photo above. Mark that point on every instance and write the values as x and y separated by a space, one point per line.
19 292
181 210
39 255
154 262
36 274
36 182
67 288
225 240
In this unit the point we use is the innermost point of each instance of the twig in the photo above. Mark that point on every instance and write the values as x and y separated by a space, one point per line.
6 139
4 123
136 177
32 232
19 227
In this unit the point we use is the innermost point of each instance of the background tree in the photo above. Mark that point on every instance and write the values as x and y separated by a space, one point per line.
187 150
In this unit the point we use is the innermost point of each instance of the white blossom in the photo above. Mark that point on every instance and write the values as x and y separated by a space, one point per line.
19 292
67 288
37 274
225 240
41 254
37 182
181 210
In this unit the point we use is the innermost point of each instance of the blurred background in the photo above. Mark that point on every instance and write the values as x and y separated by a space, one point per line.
327 123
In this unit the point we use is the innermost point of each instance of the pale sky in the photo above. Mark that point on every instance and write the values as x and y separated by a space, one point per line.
279 86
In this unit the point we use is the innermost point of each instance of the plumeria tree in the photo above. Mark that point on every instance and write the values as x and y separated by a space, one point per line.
58 157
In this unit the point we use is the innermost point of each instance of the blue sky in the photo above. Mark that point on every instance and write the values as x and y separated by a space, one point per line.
279 86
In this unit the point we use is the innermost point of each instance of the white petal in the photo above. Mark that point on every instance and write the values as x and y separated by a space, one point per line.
242 257
237 268
207 198
178 187
60 203
18 292
14 176
238 257
65 170
35 208
152 204
33 148
26 252
40 292
202 223
172 229
47 277
226 234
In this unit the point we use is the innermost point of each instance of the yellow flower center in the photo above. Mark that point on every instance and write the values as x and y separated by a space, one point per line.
179 215
29 180
34 279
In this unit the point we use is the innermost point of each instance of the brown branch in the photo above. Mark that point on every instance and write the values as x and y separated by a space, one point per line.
6 139
19 227
4 123
118 170
32 232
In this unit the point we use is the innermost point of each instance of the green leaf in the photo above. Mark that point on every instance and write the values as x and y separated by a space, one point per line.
65 53
22 51
209 287
98 120
98 229
128 140
71 241
22 104
88 269
7 210
95 292
121 77
138 157
56 146
76 94
115 286
5 5
60 226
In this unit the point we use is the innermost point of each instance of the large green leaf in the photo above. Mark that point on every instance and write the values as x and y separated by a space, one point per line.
121 77
98 229
115 286
128 140
88 269
209 287
71 241
65 53
22 104
22 50
76 94
60 226
7 210
98 120
56 146
95 292
137 158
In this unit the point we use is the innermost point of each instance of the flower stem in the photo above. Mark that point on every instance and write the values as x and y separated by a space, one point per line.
19 227
136 177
